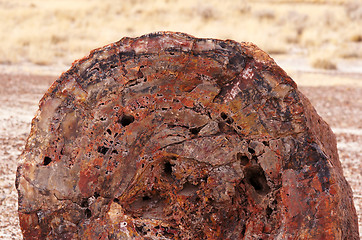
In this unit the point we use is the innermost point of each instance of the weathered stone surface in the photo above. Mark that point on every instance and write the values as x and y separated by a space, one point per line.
167 136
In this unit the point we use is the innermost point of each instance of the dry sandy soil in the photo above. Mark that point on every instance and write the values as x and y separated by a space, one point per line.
318 42
60 31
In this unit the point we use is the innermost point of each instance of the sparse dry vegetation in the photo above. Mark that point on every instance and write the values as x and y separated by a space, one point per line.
323 62
58 32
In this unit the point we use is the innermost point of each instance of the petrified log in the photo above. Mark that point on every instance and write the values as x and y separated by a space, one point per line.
167 136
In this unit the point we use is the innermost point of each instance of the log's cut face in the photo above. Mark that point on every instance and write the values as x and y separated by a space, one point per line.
167 136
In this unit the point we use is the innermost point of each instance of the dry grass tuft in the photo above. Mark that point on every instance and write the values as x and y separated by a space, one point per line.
357 37
60 31
265 14
323 62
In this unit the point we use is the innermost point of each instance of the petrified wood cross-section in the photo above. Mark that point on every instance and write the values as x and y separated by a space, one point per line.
167 136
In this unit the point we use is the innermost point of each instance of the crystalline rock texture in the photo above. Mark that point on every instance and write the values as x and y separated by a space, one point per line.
167 136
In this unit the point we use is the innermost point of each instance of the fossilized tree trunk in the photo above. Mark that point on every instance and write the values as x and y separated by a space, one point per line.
167 136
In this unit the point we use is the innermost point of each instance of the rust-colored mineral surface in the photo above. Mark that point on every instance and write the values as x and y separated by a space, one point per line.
167 136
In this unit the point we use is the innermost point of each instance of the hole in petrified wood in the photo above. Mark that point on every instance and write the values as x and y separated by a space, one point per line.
188 189
255 177
144 202
126 120
244 160
88 213
194 131
102 149
167 168
252 151
256 184
226 118
84 203
269 211
148 206
229 121
146 198
46 161
140 74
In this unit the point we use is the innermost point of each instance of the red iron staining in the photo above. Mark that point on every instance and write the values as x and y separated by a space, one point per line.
167 136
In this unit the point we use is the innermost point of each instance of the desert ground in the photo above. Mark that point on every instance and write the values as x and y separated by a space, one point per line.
317 42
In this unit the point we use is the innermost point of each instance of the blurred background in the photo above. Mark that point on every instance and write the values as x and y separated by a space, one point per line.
318 34
317 42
